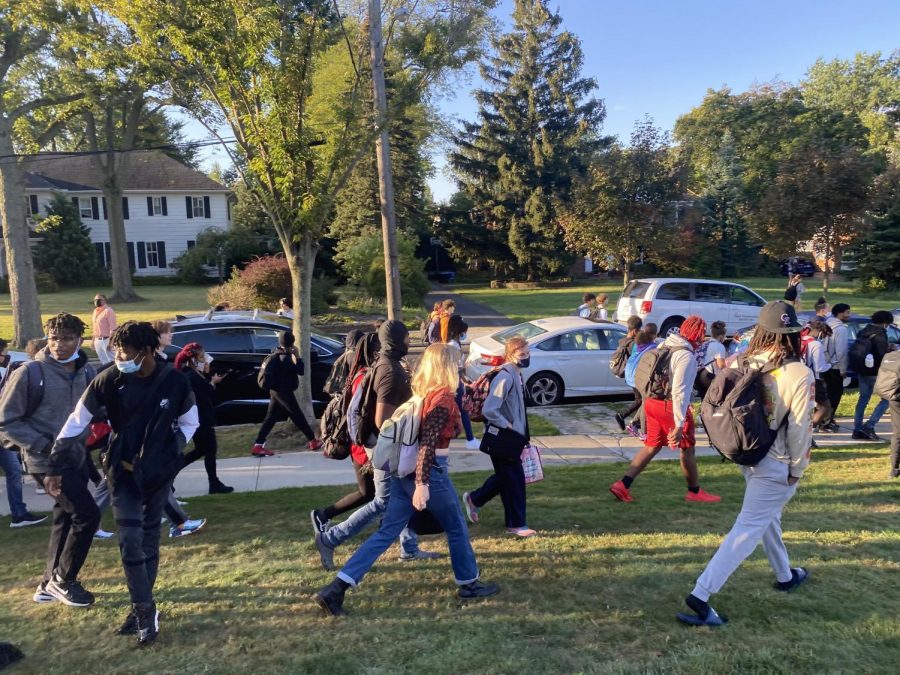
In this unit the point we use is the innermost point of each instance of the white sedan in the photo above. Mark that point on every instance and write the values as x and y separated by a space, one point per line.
569 357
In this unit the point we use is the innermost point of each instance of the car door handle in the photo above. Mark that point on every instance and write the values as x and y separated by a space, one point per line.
564 358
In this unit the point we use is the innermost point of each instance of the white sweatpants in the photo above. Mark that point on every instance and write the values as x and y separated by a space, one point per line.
101 346
759 520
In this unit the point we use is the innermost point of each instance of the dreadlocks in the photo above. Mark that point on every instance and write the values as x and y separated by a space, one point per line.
135 334
693 329
65 323
783 345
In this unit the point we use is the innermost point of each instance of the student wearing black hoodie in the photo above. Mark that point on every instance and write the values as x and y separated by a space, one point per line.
340 371
865 357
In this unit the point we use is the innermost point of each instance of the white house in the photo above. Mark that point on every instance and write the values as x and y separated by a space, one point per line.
166 204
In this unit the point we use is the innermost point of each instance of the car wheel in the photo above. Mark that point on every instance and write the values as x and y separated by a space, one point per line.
545 389
671 325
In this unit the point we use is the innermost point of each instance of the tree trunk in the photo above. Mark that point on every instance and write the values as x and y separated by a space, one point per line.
301 263
26 308
626 271
123 287
826 272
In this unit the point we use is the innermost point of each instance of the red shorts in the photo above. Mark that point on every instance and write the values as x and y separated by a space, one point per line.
661 422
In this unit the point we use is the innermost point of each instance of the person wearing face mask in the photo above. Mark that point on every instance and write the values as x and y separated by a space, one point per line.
65 374
457 334
151 409
670 421
194 362
103 320
504 408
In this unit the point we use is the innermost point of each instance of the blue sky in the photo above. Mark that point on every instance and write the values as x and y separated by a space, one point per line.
659 57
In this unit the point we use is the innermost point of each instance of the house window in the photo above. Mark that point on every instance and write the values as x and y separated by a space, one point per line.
152 254
197 203
157 206
84 207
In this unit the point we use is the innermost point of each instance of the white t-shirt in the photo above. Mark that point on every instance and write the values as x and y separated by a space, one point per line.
602 314
714 349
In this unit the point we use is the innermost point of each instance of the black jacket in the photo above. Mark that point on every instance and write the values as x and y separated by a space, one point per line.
285 373
204 394
878 347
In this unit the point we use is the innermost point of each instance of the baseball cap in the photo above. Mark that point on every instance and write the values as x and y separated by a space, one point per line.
779 317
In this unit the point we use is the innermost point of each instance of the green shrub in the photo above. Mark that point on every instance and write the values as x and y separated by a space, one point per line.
222 249
66 254
363 263
46 283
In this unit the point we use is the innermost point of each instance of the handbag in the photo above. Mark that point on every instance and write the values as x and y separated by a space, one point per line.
504 443
532 464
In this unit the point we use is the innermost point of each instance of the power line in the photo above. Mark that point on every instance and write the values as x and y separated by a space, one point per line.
43 156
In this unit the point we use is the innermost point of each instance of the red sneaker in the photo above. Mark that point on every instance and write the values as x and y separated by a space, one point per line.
620 492
259 450
314 444
701 496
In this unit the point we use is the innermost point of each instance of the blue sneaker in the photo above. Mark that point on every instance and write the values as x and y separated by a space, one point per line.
187 527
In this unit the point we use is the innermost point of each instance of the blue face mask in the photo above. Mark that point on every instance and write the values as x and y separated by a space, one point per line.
463 337
74 356
129 367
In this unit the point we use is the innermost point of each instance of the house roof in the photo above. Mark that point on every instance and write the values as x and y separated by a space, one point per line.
143 170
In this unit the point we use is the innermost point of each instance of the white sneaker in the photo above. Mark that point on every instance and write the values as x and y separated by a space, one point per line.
103 534
474 444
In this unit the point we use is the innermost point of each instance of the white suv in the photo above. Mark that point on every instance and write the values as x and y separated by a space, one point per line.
667 302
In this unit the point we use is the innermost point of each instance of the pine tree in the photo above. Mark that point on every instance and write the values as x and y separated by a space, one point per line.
879 263
537 127
66 252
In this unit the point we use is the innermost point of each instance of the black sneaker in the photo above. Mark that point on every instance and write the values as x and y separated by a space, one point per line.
860 436
69 593
478 590
833 427
26 520
219 488
319 523
620 421
129 626
872 435
147 622
798 576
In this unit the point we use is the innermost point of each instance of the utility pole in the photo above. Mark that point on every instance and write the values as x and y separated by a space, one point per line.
385 171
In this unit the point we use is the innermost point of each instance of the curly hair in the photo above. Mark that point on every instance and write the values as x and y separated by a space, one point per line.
138 335
65 323
189 352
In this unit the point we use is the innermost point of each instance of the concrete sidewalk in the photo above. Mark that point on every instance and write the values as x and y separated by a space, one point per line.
303 469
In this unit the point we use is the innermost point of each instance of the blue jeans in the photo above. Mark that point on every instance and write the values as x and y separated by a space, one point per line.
466 422
866 387
12 467
360 519
442 503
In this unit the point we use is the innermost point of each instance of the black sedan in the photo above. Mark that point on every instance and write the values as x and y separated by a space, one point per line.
239 342
800 266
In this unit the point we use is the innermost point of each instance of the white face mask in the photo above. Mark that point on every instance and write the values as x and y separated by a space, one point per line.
208 359
128 367
74 356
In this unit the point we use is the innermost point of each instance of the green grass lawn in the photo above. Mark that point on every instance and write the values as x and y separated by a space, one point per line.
596 592
525 305
160 302
236 441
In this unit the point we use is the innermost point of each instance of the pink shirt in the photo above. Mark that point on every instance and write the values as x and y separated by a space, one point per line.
104 319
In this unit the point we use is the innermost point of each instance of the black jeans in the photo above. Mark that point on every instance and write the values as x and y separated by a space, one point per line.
365 492
205 446
138 522
834 384
508 481
895 435
283 401
636 406
75 520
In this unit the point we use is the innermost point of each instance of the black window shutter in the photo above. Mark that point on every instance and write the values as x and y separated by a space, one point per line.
165 207
131 255
142 255
228 208
125 210
161 253
75 202
189 206
206 212
149 206
191 243
95 208
105 215
99 248
34 204
108 250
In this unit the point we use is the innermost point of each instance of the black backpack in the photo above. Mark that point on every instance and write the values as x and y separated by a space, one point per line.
652 377
266 379
733 413
620 357
856 355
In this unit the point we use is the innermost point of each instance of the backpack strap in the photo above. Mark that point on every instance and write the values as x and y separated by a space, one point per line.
35 389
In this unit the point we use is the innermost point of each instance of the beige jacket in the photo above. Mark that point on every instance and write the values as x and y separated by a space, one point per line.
790 393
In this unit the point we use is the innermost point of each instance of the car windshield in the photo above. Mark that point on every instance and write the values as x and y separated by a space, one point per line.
525 330
635 289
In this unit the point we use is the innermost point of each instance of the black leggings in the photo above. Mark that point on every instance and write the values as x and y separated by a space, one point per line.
278 401
638 402
205 446
365 492
834 385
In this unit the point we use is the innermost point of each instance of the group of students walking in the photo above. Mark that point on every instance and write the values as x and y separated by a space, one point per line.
143 412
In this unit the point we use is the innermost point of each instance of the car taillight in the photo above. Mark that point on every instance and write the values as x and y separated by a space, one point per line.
646 306
492 361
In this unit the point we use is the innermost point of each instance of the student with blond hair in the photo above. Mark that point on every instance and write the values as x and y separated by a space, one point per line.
428 486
